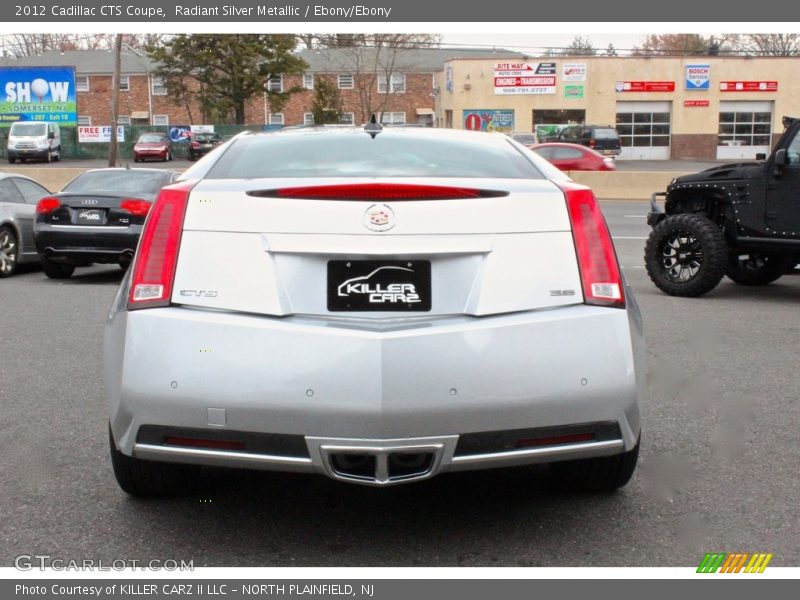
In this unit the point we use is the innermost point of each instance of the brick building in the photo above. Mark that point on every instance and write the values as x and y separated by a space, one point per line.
398 84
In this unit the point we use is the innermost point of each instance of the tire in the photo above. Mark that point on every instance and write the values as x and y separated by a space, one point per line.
145 478
57 270
9 251
49 157
58 155
601 474
686 255
756 269
11 160
169 156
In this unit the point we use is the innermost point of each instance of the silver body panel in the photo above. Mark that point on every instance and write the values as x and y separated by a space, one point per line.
250 345
20 217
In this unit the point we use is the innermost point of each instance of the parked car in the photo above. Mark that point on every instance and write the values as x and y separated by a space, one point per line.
18 198
378 305
38 140
96 218
603 138
740 220
203 143
526 139
152 145
573 157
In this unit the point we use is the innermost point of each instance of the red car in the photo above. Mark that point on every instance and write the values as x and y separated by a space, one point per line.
153 145
573 157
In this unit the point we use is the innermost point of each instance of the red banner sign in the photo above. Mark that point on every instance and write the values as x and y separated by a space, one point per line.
645 86
748 86
696 103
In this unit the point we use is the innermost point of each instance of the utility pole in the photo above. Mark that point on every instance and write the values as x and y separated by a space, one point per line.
113 149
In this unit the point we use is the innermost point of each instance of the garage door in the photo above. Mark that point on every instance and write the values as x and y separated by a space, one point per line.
745 129
644 129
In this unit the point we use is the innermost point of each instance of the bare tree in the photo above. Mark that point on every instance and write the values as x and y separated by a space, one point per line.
772 44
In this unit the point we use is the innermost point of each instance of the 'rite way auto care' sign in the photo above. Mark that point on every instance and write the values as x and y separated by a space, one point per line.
524 78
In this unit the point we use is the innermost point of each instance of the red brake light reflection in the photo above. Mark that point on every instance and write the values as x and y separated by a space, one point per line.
47 205
135 206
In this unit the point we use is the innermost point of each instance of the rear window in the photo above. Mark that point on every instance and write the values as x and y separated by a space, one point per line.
524 138
605 134
119 182
150 138
356 154
206 137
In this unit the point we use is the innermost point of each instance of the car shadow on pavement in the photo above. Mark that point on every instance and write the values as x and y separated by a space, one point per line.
113 275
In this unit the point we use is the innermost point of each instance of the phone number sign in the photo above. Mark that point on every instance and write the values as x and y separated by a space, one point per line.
524 78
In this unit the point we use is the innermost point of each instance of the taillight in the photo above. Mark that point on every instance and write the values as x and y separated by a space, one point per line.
154 266
135 206
195 144
592 143
377 191
47 205
597 260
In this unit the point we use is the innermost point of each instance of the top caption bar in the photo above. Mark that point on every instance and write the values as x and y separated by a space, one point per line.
388 11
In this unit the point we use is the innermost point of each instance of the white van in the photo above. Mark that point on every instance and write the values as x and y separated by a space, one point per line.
34 139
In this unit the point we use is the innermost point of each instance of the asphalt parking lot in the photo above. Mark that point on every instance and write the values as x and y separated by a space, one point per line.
718 468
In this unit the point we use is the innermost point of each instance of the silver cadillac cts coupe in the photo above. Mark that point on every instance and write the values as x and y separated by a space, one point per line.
379 305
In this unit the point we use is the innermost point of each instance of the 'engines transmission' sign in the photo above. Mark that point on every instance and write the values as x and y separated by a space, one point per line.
524 78
38 94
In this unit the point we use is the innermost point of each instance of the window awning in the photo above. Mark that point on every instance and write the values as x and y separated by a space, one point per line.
425 111
140 114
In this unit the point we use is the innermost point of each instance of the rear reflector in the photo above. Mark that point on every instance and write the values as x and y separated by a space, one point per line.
47 205
204 443
135 206
553 441
377 191
154 265
597 260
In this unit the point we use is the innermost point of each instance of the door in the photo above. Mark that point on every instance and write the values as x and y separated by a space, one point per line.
644 130
26 212
745 129
782 214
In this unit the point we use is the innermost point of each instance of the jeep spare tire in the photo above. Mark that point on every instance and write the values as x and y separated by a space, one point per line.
686 255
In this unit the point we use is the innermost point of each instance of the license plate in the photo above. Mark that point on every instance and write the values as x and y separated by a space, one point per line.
207 145
379 285
89 217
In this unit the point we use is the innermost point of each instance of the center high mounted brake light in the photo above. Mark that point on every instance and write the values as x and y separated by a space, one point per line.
153 270
597 260
377 191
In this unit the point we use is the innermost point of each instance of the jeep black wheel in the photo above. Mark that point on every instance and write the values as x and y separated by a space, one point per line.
686 255
755 269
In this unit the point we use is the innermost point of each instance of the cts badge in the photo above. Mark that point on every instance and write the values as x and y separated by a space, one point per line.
379 217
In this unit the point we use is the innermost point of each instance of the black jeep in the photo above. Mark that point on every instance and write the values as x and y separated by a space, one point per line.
741 220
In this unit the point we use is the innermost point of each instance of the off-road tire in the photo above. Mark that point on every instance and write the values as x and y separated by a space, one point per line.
601 474
144 478
57 270
757 269
700 243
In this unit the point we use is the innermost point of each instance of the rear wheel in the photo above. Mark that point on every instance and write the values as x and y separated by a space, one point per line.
686 255
151 478
756 269
602 474
12 160
9 251
57 270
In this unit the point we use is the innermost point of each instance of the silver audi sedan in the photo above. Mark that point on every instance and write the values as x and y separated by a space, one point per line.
376 305
18 198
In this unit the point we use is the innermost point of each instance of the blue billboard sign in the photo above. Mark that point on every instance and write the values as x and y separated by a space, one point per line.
489 119
38 94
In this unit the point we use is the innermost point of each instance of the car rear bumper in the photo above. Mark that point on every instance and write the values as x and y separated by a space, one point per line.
29 153
83 243
360 386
